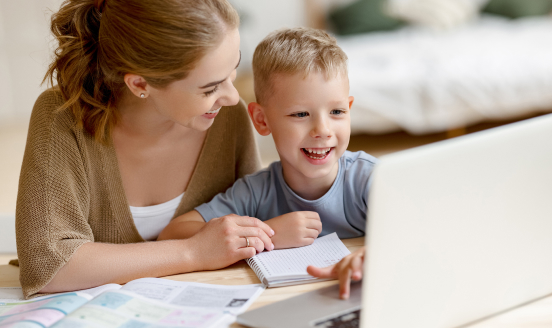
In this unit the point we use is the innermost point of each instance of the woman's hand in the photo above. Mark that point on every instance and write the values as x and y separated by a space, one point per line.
295 229
221 241
350 267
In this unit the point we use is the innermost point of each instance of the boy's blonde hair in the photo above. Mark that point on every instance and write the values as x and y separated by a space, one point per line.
296 50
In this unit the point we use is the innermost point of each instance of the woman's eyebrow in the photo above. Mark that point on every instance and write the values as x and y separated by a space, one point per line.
217 82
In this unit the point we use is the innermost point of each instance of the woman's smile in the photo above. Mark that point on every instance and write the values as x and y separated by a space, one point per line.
212 113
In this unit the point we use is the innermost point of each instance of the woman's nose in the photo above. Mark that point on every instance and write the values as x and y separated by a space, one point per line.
231 96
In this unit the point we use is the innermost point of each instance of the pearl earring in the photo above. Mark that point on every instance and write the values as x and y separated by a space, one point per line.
142 95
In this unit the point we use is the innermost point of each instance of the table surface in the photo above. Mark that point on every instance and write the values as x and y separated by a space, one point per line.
534 315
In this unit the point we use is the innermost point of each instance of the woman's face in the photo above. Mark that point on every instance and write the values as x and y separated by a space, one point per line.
194 101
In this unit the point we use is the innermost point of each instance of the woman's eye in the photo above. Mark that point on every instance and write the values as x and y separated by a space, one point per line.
337 111
300 114
210 92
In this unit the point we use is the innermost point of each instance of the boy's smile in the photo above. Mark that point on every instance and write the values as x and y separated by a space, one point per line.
317 155
310 123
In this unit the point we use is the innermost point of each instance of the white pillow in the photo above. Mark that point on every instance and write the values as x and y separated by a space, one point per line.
435 14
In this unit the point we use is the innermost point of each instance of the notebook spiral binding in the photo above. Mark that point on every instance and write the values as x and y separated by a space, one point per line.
257 269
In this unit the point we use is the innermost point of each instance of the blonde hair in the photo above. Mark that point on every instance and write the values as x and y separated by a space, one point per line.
298 50
102 40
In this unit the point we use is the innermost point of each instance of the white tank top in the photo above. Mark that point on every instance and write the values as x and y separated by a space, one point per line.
151 220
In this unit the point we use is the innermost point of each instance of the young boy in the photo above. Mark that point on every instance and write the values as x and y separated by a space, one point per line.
317 187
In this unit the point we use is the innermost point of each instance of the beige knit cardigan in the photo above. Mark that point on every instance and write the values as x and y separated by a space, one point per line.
71 192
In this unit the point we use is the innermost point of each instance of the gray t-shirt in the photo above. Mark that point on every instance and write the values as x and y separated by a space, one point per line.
265 195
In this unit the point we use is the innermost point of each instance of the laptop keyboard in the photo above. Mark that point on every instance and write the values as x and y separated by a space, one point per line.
347 320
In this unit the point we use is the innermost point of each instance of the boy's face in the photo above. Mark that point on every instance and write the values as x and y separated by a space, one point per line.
310 122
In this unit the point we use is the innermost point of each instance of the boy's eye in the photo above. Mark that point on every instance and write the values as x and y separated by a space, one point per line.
300 114
210 92
337 111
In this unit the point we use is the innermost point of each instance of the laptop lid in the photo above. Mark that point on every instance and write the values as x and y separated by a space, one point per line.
461 229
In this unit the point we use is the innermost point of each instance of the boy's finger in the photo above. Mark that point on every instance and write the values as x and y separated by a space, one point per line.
314 224
344 283
311 233
308 240
311 215
356 266
326 272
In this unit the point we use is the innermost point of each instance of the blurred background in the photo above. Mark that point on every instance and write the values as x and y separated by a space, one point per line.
420 70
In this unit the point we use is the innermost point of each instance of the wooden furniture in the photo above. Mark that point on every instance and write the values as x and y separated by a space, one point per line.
537 314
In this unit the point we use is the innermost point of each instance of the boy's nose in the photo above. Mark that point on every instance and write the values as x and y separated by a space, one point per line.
321 130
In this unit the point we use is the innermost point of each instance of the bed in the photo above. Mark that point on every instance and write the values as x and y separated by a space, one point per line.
425 81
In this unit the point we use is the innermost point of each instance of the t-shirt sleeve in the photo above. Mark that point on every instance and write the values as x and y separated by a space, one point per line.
358 180
53 197
240 199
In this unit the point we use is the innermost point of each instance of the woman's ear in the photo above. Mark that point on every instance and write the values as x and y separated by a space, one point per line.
258 117
137 85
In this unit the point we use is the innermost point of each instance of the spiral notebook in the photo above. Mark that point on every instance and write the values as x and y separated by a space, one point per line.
285 267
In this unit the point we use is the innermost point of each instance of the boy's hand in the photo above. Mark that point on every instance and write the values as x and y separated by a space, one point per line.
295 229
349 268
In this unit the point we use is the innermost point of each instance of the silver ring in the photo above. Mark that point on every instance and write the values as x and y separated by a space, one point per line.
246 242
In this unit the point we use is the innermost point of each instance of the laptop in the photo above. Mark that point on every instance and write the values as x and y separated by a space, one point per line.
458 231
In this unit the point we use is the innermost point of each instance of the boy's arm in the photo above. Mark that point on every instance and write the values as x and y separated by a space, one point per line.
295 229
183 227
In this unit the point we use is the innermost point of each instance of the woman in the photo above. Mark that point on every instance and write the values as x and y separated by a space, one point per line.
128 140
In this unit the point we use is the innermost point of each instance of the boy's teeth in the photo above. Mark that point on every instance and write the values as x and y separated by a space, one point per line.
317 151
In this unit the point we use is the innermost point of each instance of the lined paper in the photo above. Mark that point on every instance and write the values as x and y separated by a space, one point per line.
324 251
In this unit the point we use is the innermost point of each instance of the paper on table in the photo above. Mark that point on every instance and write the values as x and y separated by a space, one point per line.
231 299
121 308
46 311
148 301
15 294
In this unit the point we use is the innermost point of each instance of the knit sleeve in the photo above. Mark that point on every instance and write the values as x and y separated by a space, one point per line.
247 154
53 198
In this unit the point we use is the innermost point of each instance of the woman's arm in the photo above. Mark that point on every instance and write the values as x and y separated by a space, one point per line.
182 227
218 244
95 264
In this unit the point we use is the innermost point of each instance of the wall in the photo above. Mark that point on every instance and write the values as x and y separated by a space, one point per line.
258 18
24 54
25 48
